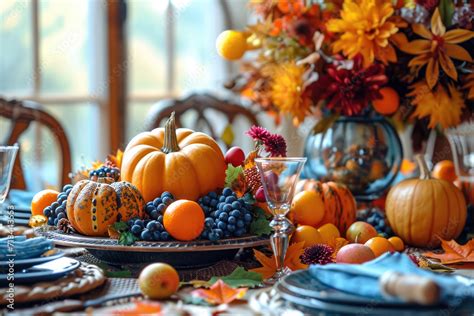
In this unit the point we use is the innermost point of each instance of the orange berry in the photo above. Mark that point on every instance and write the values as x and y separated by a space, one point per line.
444 170
308 234
307 208
389 102
329 232
42 199
184 220
379 246
397 243
231 44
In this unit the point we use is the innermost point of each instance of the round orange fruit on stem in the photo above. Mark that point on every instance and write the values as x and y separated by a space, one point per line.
389 102
308 234
444 170
307 208
184 220
43 199
379 246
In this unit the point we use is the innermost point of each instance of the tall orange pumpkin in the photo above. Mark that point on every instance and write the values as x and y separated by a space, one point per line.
339 203
93 206
186 163
421 210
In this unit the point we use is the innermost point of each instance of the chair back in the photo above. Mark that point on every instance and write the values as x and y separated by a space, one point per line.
21 115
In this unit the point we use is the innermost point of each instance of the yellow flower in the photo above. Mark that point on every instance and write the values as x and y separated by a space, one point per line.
287 88
437 48
443 107
366 30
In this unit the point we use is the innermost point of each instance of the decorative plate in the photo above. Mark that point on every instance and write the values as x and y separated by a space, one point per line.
51 270
180 254
26 263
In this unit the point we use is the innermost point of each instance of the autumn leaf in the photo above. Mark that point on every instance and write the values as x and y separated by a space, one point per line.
220 293
141 308
292 260
454 252
337 244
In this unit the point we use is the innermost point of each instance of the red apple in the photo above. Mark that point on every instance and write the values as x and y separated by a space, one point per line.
360 232
235 156
354 253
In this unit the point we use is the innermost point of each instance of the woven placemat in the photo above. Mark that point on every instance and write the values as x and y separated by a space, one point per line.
84 279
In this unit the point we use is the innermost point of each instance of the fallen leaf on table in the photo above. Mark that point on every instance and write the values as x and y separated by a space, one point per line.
292 260
454 252
240 277
220 293
141 308
337 244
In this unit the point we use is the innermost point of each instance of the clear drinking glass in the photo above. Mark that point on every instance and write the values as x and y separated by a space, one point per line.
7 160
461 140
279 177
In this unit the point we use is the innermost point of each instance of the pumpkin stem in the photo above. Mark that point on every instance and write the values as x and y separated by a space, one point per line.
424 171
171 141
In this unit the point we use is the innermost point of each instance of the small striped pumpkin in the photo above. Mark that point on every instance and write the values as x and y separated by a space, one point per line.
420 211
93 206
339 203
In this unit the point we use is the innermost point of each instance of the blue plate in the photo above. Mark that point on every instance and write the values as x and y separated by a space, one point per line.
48 271
26 263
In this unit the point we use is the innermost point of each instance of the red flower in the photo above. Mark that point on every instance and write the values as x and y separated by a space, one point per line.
258 133
349 91
274 144
429 5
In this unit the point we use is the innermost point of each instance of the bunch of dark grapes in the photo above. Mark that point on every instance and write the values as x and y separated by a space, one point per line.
152 228
105 171
57 210
376 218
226 215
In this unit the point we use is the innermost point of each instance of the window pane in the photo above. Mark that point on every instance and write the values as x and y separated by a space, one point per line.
16 53
63 50
136 116
146 46
198 24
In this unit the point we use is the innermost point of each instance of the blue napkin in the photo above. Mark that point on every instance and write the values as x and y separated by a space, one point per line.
363 279
21 199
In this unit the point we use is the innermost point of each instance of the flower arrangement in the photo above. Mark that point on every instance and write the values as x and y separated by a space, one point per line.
346 57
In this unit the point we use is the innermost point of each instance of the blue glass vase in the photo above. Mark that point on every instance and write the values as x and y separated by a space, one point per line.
364 153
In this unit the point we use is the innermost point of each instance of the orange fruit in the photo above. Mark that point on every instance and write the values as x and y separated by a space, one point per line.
329 232
389 102
444 170
307 208
184 220
397 243
42 199
308 234
379 246
158 281
231 44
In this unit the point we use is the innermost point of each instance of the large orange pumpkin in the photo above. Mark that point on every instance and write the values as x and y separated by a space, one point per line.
339 203
93 206
421 210
186 163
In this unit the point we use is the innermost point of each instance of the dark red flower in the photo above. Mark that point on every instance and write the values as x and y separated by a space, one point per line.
317 254
349 91
258 133
429 5
275 145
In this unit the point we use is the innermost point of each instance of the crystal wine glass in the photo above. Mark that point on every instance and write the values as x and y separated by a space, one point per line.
279 177
7 160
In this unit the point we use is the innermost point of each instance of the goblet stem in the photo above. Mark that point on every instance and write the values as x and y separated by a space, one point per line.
280 239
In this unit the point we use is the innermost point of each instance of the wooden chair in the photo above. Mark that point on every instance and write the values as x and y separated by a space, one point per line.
21 115
200 103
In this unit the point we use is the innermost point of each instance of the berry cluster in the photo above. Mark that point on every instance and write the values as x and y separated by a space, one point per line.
376 218
57 210
226 215
152 228
105 171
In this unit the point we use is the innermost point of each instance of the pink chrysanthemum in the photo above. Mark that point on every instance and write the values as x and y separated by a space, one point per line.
258 133
275 145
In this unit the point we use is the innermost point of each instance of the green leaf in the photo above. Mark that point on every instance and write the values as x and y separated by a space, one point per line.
240 278
325 123
260 226
114 274
249 198
232 174
120 226
126 238
260 212
446 11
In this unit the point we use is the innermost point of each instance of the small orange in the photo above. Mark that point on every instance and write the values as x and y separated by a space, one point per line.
308 234
184 220
329 232
444 170
379 246
389 102
307 208
42 199
397 243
